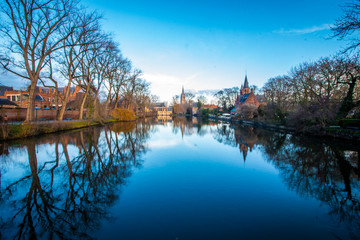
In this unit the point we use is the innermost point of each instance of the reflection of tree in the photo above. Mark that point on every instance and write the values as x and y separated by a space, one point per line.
225 134
327 171
241 136
65 196
184 125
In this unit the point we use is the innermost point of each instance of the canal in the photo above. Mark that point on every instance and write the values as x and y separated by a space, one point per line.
182 179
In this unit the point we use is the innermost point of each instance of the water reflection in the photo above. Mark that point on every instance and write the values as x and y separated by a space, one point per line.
326 170
63 186
68 193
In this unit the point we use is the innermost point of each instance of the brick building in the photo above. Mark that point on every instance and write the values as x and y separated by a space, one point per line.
248 97
45 97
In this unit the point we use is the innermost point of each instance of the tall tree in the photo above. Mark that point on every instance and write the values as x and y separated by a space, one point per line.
79 41
32 31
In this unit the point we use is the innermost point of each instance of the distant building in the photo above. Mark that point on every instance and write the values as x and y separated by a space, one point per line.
45 97
248 97
195 108
209 106
162 110
182 97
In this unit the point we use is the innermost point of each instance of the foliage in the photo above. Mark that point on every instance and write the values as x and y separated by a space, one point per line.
226 97
123 114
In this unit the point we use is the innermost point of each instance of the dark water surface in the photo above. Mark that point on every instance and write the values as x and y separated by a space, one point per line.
179 180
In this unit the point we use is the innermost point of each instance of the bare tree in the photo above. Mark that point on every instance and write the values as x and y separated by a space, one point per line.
79 41
348 25
32 31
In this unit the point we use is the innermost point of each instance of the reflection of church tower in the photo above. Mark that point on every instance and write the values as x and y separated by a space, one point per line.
182 127
182 96
246 139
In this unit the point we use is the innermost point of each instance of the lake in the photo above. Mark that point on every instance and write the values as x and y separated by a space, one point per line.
179 179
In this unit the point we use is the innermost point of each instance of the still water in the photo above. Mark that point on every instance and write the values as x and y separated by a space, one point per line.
183 179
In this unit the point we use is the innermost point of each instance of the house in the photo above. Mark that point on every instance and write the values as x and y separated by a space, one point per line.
45 96
162 110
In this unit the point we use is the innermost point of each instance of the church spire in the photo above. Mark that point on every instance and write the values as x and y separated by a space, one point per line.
246 83
182 89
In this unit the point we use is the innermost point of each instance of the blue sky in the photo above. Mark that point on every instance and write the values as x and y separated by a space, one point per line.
210 44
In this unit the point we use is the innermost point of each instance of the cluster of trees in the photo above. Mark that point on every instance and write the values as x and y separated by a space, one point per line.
317 91
226 97
58 41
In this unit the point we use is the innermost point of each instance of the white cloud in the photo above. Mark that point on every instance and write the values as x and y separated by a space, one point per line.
304 30
169 79
166 86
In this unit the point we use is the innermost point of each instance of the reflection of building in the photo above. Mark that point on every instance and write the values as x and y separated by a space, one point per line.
164 118
246 139
248 97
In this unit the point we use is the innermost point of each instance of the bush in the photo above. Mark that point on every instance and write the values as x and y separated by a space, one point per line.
123 114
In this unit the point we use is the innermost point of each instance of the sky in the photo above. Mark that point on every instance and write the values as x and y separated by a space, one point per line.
210 45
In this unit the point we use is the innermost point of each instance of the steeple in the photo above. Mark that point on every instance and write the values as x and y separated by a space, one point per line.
182 96
246 83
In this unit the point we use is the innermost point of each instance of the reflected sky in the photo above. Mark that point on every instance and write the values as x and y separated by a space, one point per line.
184 179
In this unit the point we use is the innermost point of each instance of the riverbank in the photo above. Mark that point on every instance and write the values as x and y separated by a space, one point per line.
22 130
329 132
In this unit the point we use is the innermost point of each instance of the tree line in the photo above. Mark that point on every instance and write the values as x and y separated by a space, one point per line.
318 91
59 41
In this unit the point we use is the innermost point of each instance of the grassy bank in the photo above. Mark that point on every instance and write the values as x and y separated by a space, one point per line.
12 131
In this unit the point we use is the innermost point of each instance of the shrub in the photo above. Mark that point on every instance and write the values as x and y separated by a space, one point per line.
123 114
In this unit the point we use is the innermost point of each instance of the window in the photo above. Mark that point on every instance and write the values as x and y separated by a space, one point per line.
25 97
18 98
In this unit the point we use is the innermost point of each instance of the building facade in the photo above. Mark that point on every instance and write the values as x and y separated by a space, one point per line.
45 97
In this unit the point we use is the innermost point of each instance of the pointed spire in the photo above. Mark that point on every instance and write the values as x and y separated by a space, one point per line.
246 83
183 89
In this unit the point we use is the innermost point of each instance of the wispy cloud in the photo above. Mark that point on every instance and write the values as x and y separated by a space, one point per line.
304 30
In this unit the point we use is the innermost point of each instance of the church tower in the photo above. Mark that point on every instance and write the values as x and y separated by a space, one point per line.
245 88
182 96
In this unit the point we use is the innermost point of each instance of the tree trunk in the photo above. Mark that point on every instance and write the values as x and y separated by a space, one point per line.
64 102
83 103
348 102
107 103
30 114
